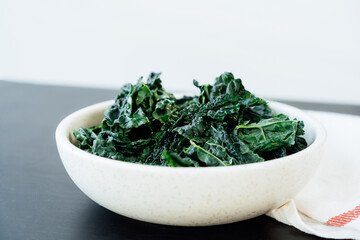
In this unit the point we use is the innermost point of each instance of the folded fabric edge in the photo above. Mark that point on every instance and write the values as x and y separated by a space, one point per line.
288 214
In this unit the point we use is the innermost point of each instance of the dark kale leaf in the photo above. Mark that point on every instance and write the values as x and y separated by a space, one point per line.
225 125
269 134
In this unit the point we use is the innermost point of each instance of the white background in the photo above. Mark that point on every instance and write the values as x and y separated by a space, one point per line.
300 50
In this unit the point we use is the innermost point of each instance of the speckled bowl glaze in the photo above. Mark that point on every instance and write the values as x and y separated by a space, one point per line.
188 196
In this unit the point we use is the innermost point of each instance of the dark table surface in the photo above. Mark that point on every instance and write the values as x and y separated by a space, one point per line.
39 201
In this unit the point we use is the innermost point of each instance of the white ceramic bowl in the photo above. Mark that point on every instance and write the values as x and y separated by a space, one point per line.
188 196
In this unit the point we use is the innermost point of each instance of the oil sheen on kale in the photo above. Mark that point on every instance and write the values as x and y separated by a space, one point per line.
224 125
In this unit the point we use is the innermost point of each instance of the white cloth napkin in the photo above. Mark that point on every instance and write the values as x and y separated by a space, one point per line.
329 206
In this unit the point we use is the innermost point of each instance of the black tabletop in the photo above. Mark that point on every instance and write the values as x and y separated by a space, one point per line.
39 201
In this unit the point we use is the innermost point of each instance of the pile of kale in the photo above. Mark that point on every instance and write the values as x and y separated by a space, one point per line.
224 125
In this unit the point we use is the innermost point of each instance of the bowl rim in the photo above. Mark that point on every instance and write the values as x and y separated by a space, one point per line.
62 139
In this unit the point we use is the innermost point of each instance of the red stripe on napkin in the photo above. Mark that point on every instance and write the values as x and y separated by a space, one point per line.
342 219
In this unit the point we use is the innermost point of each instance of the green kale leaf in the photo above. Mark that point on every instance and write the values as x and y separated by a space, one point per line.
225 125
